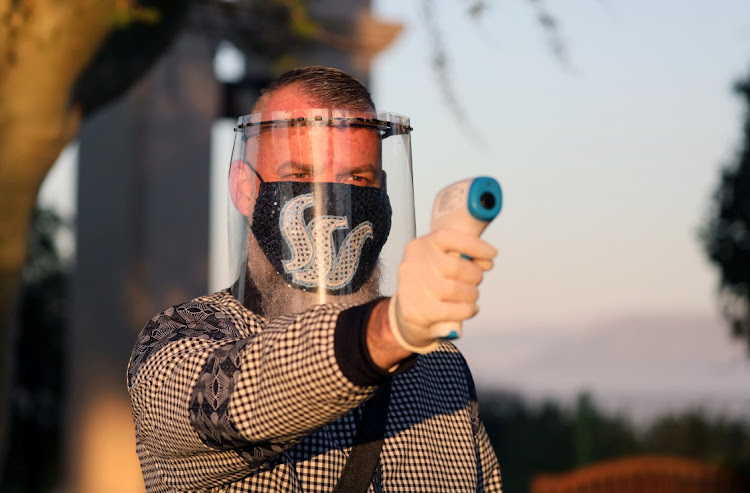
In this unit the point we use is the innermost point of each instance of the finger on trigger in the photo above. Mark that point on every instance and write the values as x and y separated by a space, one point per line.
484 264
461 269
467 244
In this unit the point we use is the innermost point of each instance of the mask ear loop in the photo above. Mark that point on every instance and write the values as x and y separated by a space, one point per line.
252 168
245 136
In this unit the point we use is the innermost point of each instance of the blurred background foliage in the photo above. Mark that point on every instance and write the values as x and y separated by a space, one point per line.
546 437
726 234
34 462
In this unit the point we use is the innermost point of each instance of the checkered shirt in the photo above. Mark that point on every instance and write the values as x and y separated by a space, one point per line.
224 401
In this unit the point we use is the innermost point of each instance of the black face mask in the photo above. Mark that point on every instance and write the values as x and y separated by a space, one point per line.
322 235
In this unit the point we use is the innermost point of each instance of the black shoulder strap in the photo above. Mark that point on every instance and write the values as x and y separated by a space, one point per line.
361 463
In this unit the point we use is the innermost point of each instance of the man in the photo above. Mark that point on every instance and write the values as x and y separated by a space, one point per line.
267 386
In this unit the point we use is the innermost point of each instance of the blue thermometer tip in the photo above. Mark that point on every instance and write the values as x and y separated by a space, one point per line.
485 198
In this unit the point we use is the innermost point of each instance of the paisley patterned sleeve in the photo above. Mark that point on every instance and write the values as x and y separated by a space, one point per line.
212 403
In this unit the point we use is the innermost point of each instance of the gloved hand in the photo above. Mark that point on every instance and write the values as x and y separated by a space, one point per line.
436 285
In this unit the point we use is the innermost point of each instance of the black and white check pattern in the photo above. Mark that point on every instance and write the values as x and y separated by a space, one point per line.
225 402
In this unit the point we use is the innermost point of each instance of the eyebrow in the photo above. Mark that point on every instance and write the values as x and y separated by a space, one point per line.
361 169
298 166
293 166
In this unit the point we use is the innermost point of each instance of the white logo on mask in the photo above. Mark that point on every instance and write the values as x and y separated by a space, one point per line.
315 261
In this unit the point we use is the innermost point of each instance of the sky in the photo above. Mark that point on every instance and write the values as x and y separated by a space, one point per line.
608 159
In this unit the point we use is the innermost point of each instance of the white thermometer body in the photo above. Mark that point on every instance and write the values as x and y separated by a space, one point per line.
469 206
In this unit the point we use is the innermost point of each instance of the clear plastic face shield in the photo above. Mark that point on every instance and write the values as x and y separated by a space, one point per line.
321 207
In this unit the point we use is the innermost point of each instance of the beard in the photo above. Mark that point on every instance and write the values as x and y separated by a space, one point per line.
279 298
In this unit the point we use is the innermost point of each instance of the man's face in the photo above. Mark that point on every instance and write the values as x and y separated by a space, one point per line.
316 153
350 155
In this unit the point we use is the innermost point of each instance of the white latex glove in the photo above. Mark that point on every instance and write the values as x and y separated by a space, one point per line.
436 285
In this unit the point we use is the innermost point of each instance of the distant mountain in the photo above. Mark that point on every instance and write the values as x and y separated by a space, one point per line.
640 365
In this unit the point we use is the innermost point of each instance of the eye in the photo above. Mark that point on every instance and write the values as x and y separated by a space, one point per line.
301 176
360 180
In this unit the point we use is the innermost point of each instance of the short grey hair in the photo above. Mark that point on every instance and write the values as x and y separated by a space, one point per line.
326 86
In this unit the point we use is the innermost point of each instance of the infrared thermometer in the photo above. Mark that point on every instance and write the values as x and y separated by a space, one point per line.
469 206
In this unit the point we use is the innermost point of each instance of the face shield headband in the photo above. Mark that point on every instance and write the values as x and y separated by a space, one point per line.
384 127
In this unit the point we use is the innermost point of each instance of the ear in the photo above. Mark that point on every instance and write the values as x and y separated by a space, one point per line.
241 186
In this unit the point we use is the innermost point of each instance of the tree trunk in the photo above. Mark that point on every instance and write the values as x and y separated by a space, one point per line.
44 46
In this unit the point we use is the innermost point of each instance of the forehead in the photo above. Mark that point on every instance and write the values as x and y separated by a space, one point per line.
318 146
